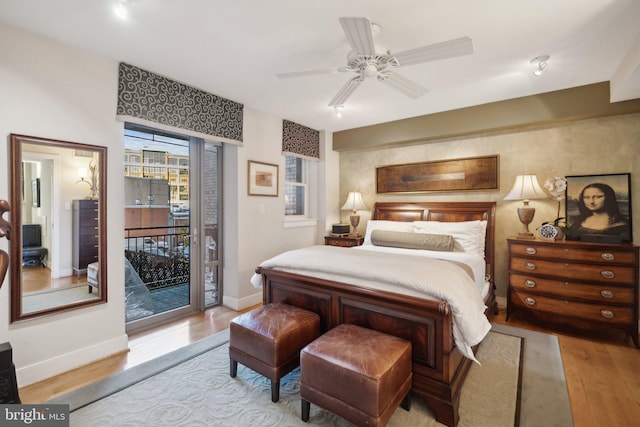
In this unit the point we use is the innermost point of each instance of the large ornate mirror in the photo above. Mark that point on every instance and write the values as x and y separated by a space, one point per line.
58 241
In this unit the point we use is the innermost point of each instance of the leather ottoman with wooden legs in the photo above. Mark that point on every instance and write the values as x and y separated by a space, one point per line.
269 339
356 373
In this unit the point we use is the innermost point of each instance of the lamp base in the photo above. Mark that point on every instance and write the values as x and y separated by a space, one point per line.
525 214
355 221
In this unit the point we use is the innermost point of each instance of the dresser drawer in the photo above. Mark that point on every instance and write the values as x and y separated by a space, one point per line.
602 294
582 254
574 270
601 313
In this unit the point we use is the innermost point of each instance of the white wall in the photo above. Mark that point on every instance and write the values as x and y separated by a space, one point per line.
57 92
260 232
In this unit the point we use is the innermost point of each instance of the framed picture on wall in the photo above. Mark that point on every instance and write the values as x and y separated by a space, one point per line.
263 179
35 192
598 208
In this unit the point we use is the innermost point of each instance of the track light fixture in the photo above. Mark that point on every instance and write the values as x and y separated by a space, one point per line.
338 109
540 63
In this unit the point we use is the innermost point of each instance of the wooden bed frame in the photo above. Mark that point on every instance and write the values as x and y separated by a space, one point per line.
439 369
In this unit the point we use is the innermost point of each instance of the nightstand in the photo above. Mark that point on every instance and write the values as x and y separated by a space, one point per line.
344 241
582 285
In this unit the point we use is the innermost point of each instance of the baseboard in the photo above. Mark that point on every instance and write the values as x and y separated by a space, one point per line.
242 303
502 302
65 362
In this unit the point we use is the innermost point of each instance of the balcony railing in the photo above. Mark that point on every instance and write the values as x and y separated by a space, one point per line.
160 255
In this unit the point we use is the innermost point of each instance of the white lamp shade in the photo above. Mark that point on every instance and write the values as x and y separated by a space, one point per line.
354 202
526 187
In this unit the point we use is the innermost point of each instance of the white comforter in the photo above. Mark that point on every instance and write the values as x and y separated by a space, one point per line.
436 278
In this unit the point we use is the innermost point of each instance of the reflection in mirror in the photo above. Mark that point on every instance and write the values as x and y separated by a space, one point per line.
58 244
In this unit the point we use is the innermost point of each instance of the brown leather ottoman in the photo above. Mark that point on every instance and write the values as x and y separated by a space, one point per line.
356 373
269 339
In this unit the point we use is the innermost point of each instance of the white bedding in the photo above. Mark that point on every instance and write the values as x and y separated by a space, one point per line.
403 271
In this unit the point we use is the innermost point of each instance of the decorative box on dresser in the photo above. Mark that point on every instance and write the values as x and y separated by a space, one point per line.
344 241
85 234
582 285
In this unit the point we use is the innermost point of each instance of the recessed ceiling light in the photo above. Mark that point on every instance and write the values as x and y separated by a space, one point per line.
120 9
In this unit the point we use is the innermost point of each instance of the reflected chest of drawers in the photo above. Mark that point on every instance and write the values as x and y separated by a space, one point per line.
581 285
85 234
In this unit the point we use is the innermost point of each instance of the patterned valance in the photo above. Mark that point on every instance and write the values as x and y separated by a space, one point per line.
153 100
300 141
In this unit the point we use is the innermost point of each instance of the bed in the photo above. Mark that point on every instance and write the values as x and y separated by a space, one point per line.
439 363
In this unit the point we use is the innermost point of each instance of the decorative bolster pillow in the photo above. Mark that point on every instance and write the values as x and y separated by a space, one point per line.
399 239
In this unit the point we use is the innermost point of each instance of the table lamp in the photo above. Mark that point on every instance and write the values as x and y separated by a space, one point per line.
354 203
526 188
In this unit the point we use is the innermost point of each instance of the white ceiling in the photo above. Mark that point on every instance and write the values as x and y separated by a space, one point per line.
234 48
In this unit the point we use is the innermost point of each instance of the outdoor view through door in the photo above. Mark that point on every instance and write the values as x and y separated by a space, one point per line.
172 191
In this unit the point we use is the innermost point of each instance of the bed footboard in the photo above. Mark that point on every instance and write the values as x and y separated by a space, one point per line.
439 368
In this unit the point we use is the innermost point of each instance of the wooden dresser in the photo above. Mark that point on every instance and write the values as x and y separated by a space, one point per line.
344 241
85 234
581 285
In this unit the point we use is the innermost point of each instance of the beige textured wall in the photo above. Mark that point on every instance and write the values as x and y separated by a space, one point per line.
588 147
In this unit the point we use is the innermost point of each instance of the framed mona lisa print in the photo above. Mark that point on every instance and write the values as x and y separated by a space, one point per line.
598 208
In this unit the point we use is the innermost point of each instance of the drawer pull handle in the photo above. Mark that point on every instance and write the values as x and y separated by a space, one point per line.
530 301
531 251
529 266
606 293
530 283
607 314
607 274
607 256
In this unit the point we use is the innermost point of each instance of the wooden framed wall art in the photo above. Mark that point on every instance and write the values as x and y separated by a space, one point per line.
263 179
466 174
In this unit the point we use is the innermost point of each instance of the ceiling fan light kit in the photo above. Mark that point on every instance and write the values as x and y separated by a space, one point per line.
367 60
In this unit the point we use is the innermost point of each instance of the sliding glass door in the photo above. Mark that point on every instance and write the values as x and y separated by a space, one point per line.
172 205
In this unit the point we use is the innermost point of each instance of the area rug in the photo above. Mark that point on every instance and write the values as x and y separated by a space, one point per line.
193 388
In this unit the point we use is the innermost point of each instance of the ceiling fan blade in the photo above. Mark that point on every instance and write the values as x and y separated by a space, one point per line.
345 91
359 35
310 72
449 49
402 84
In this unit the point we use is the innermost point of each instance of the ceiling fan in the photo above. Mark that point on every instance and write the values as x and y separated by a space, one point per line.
367 59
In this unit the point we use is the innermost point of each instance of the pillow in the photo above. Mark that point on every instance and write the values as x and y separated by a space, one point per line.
399 239
381 224
468 236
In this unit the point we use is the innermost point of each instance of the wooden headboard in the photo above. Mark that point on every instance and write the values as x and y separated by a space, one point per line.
445 212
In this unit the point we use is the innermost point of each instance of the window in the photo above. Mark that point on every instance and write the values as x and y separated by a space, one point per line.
300 189
295 186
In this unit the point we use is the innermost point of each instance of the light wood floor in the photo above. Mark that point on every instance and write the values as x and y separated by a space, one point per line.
602 370
36 278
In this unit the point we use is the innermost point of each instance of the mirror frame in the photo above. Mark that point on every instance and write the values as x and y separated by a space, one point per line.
15 158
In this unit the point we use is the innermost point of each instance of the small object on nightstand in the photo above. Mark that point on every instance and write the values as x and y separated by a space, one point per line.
344 241
340 229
